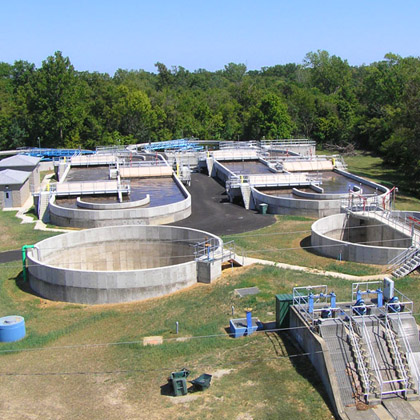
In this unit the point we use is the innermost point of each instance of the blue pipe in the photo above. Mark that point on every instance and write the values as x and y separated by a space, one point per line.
249 320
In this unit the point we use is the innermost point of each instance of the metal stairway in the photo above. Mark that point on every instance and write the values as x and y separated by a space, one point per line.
391 374
406 334
406 262
363 363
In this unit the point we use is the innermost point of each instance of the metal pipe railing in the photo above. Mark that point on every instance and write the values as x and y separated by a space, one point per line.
409 354
363 370
372 356
397 358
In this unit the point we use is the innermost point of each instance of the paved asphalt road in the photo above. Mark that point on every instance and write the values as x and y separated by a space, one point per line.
211 211
9 256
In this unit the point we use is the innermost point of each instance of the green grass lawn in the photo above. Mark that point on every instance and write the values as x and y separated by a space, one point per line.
15 234
288 241
254 377
255 370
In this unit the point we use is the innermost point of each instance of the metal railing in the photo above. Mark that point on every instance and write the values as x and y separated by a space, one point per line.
409 354
377 373
301 296
397 361
287 180
238 144
288 142
110 149
206 250
89 187
143 163
360 361
403 258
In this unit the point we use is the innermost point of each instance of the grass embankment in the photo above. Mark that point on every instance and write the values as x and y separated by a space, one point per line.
15 234
289 241
253 377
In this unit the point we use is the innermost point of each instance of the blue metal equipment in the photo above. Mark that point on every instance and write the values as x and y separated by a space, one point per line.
394 305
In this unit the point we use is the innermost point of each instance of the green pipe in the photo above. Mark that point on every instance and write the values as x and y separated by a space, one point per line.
24 248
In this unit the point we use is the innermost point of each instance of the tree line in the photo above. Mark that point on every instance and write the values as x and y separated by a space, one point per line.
373 107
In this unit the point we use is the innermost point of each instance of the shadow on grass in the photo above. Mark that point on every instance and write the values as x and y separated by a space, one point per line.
306 245
303 366
167 390
24 286
32 212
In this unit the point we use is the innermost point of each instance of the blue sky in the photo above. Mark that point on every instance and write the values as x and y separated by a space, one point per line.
134 34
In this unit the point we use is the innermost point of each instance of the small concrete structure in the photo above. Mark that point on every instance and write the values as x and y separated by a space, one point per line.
239 327
154 340
14 188
24 163
120 264
357 238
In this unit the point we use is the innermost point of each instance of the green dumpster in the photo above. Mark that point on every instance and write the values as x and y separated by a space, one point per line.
263 208
178 380
283 303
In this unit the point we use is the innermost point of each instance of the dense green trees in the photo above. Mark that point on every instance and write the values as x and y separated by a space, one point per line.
375 107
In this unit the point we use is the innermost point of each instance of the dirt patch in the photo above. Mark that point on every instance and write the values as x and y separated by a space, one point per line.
184 399
244 416
221 372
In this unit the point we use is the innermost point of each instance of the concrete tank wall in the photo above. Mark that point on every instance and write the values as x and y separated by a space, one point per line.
316 205
112 206
116 264
329 233
318 354
295 206
82 218
220 172
361 180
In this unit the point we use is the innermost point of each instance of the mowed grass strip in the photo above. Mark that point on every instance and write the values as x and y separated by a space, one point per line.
15 234
257 365
288 241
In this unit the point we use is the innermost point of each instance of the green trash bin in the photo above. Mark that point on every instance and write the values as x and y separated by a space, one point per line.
202 382
178 380
263 208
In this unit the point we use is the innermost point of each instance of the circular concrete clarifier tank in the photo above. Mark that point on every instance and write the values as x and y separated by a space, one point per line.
116 264
357 238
